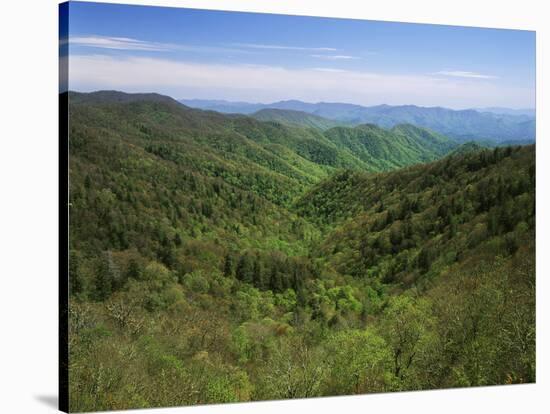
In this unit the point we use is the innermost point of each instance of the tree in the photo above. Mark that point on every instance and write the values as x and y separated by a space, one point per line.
107 276
405 325
134 269
358 362
425 258
243 272
295 369
257 276
396 237
228 265
87 182
452 226
298 285
275 279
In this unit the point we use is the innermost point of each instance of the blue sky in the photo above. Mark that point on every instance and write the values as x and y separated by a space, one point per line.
188 53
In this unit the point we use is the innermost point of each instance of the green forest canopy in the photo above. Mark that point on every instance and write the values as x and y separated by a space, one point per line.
219 258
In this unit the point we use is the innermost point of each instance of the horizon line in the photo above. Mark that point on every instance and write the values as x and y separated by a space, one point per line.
307 102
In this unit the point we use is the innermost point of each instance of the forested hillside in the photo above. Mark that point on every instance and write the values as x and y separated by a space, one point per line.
275 161
219 258
295 118
408 225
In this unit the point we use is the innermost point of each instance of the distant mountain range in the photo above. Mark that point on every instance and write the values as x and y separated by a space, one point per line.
529 112
494 124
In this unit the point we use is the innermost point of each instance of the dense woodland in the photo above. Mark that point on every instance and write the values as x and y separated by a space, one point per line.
221 258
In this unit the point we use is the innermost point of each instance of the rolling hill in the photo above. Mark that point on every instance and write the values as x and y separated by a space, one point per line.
467 147
295 118
219 258
403 145
528 113
382 224
461 125
243 150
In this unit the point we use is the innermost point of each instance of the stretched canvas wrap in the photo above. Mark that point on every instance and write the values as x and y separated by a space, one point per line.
264 206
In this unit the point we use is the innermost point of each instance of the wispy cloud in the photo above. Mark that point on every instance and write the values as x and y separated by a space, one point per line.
335 57
248 83
130 44
119 43
333 70
464 74
284 47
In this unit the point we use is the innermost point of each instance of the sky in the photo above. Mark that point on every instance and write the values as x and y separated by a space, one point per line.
253 57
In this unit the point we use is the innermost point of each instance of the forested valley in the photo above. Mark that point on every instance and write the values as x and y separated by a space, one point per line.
221 258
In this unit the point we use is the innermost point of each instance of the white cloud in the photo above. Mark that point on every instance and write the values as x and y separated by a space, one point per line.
125 43
284 47
464 74
257 83
334 57
119 43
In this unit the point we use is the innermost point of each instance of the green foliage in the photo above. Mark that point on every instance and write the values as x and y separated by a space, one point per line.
360 362
405 226
294 118
384 150
405 325
219 258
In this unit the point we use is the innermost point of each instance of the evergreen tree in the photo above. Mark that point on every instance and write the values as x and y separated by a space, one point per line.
228 265
243 271
103 281
257 274
107 276
134 270
275 280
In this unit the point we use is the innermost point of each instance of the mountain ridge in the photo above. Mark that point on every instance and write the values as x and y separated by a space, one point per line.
259 141
295 118
462 125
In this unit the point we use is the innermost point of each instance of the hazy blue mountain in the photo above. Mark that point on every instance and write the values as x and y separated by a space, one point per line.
222 106
530 112
515 142
461 125
335 111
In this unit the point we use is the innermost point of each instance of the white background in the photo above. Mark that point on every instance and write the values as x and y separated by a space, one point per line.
28 203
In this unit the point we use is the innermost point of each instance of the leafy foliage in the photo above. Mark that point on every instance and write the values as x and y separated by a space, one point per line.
295 118
219 258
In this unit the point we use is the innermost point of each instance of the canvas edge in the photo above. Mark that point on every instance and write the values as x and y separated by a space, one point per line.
63 212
